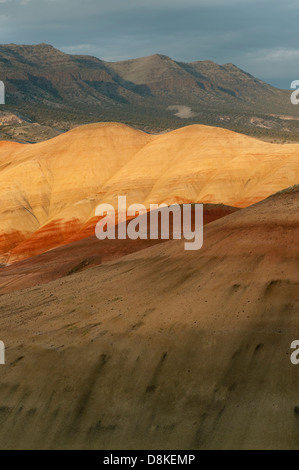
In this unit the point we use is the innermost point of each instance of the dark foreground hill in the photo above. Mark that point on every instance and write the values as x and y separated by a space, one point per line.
163 348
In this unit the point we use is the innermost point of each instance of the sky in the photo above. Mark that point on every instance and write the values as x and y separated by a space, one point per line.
258 36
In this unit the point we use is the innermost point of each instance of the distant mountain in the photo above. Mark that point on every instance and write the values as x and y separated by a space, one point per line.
202 82
44 74
59 90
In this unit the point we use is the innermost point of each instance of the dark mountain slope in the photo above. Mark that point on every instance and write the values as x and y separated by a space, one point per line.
155 93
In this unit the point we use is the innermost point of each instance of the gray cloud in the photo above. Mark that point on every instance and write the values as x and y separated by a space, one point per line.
258 36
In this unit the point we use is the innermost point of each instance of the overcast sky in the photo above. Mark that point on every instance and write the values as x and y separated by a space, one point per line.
258 36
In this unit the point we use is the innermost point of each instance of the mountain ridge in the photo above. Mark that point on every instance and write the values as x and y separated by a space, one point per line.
58 90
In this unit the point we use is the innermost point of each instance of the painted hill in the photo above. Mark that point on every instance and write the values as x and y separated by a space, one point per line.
49 191
163 349
84 252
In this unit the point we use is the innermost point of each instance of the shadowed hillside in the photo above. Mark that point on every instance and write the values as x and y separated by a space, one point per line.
163 348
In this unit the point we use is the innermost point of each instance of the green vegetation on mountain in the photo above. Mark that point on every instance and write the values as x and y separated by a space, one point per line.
57 91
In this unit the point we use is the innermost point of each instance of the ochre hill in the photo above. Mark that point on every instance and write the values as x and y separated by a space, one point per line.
86 251
49 191
162 349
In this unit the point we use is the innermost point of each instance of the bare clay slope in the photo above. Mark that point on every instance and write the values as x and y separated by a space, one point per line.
87 251
49 191
163 348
